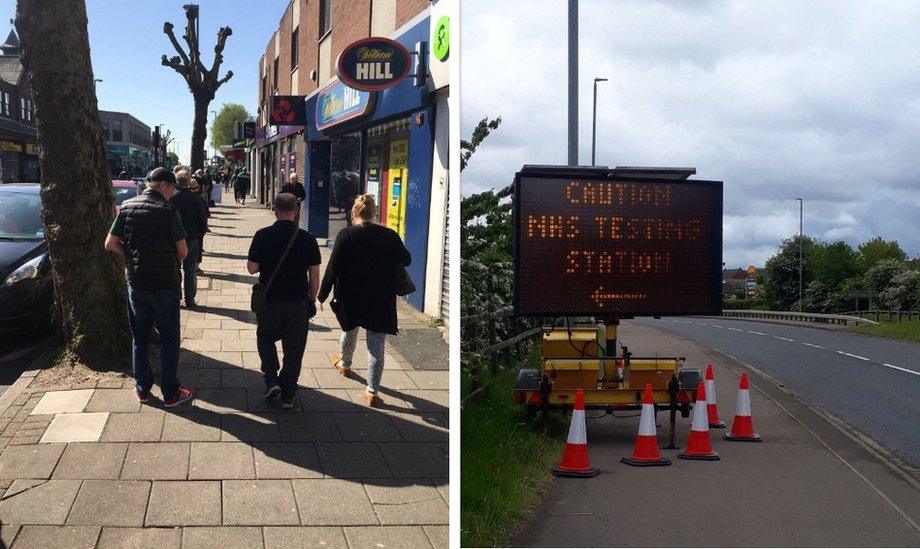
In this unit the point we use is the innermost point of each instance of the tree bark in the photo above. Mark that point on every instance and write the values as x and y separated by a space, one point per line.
77 194
199 130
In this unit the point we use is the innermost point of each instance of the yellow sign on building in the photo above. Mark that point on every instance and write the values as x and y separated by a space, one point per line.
398 178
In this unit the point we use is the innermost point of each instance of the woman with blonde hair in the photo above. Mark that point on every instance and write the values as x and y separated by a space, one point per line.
363 270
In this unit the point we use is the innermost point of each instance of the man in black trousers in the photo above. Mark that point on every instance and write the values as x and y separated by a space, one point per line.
195 221
290 298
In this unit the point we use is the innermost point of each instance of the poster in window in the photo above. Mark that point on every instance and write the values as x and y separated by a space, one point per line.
397 178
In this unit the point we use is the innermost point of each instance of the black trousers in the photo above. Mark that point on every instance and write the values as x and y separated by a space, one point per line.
288 321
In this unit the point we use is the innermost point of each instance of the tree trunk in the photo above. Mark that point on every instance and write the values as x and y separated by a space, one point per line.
77 194
199 131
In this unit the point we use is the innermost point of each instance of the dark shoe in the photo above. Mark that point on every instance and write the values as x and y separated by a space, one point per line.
272 390
287 401
190 304
198 271
142 396
182 396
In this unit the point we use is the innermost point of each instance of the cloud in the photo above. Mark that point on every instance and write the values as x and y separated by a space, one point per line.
778 100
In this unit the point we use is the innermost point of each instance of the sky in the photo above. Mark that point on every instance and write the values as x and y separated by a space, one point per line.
781 99
127 41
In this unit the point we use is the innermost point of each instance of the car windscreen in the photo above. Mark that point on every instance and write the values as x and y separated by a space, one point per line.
124 193
20 216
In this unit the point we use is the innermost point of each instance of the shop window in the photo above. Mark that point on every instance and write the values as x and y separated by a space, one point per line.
5 104
345 179
117 134
387 173
22 108
325 17
294 47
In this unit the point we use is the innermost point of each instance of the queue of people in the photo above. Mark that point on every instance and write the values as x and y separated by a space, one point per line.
160 234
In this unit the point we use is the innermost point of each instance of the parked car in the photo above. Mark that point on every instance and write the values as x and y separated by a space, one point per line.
25 271
124 189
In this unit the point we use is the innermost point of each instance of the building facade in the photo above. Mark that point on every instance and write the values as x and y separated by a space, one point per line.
18 134
391 143
129 143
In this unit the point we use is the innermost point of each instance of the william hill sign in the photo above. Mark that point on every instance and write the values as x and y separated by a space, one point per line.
373 64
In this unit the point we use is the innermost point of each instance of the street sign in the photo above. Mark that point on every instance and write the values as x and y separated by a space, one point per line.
337 104
373 64
440 40
622 242
288 110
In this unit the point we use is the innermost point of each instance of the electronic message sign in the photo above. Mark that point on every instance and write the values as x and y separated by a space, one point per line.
621 242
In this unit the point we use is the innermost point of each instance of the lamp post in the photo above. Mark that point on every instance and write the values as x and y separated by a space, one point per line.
801 248
573 82
594 121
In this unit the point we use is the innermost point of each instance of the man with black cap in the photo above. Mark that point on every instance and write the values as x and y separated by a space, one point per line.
195 221
148 232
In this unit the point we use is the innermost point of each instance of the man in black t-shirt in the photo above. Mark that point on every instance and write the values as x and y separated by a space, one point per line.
291 298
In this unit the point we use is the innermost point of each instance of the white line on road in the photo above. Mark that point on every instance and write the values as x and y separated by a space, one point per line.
717 326
735 330
902 369
701 324
813 345
756 333
785 339
852 355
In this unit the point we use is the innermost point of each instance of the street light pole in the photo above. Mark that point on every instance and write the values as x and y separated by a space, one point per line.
573 83
801 248
594 121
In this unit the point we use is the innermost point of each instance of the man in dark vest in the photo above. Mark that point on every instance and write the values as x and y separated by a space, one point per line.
242 185
195 221
148 232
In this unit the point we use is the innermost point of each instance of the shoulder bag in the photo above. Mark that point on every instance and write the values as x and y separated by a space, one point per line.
258 303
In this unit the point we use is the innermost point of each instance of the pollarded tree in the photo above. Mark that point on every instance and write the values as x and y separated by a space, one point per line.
77 195
202 83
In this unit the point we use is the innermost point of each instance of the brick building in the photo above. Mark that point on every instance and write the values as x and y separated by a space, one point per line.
394 144
128 142
18 134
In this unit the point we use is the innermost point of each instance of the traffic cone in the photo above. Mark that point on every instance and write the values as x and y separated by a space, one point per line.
711 409
699 446
743 425
646 452
575 459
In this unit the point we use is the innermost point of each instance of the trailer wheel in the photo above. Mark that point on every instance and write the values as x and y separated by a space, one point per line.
685 410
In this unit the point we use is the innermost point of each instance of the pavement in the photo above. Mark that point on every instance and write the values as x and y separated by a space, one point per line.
808 484
18 354
869 383
89 466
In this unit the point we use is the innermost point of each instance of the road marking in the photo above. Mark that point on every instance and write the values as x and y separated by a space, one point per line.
717 326
701 324
852 355
756 333
902 369
785 339
813 345
735 330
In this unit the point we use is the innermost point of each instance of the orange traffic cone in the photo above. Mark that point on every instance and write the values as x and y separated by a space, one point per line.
743 425
646 452
711 408
699 446
575 459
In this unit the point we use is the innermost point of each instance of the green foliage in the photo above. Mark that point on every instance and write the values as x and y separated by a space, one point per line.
171 159
782 272
225 123
903 292
873 251
904 330
482 130
879 277
834 263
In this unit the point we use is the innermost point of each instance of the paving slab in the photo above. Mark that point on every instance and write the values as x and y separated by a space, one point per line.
139 538
58 537
428 380
62 402
79 427
386 537
191 426
225 537
439 536
333 502
38 501
156 461
221 460
397 502
286 460
30 461
353 460
259 503
222 401
110 503
184 503
305 537
422 427
326 400
133 427
91 460
246 427
113 400
366 426
415 459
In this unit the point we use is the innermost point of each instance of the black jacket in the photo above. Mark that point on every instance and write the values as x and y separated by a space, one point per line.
363 271
193 212
150 253
295 189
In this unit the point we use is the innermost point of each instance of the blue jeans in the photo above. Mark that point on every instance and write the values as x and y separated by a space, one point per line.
147 308
375 341
189 266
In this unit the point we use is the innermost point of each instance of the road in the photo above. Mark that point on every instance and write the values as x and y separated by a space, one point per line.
807 484
17 356
869 383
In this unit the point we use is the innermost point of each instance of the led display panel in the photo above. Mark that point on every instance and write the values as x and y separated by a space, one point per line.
596 243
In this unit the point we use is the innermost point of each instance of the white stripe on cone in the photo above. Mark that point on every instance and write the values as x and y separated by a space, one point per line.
577 428
700 417
743 408
647 421
710 391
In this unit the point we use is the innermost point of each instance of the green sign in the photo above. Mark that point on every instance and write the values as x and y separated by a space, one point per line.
440 41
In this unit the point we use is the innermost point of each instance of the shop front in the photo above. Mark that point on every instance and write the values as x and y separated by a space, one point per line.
276 159
379 143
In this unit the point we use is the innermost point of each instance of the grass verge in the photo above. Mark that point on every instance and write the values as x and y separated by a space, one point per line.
505 462
906 330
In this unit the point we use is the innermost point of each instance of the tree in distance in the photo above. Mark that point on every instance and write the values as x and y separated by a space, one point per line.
224 125
202 82
77 195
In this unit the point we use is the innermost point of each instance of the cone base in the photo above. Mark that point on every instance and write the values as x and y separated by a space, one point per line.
704 457
735 438
576 473
646 462
717 425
